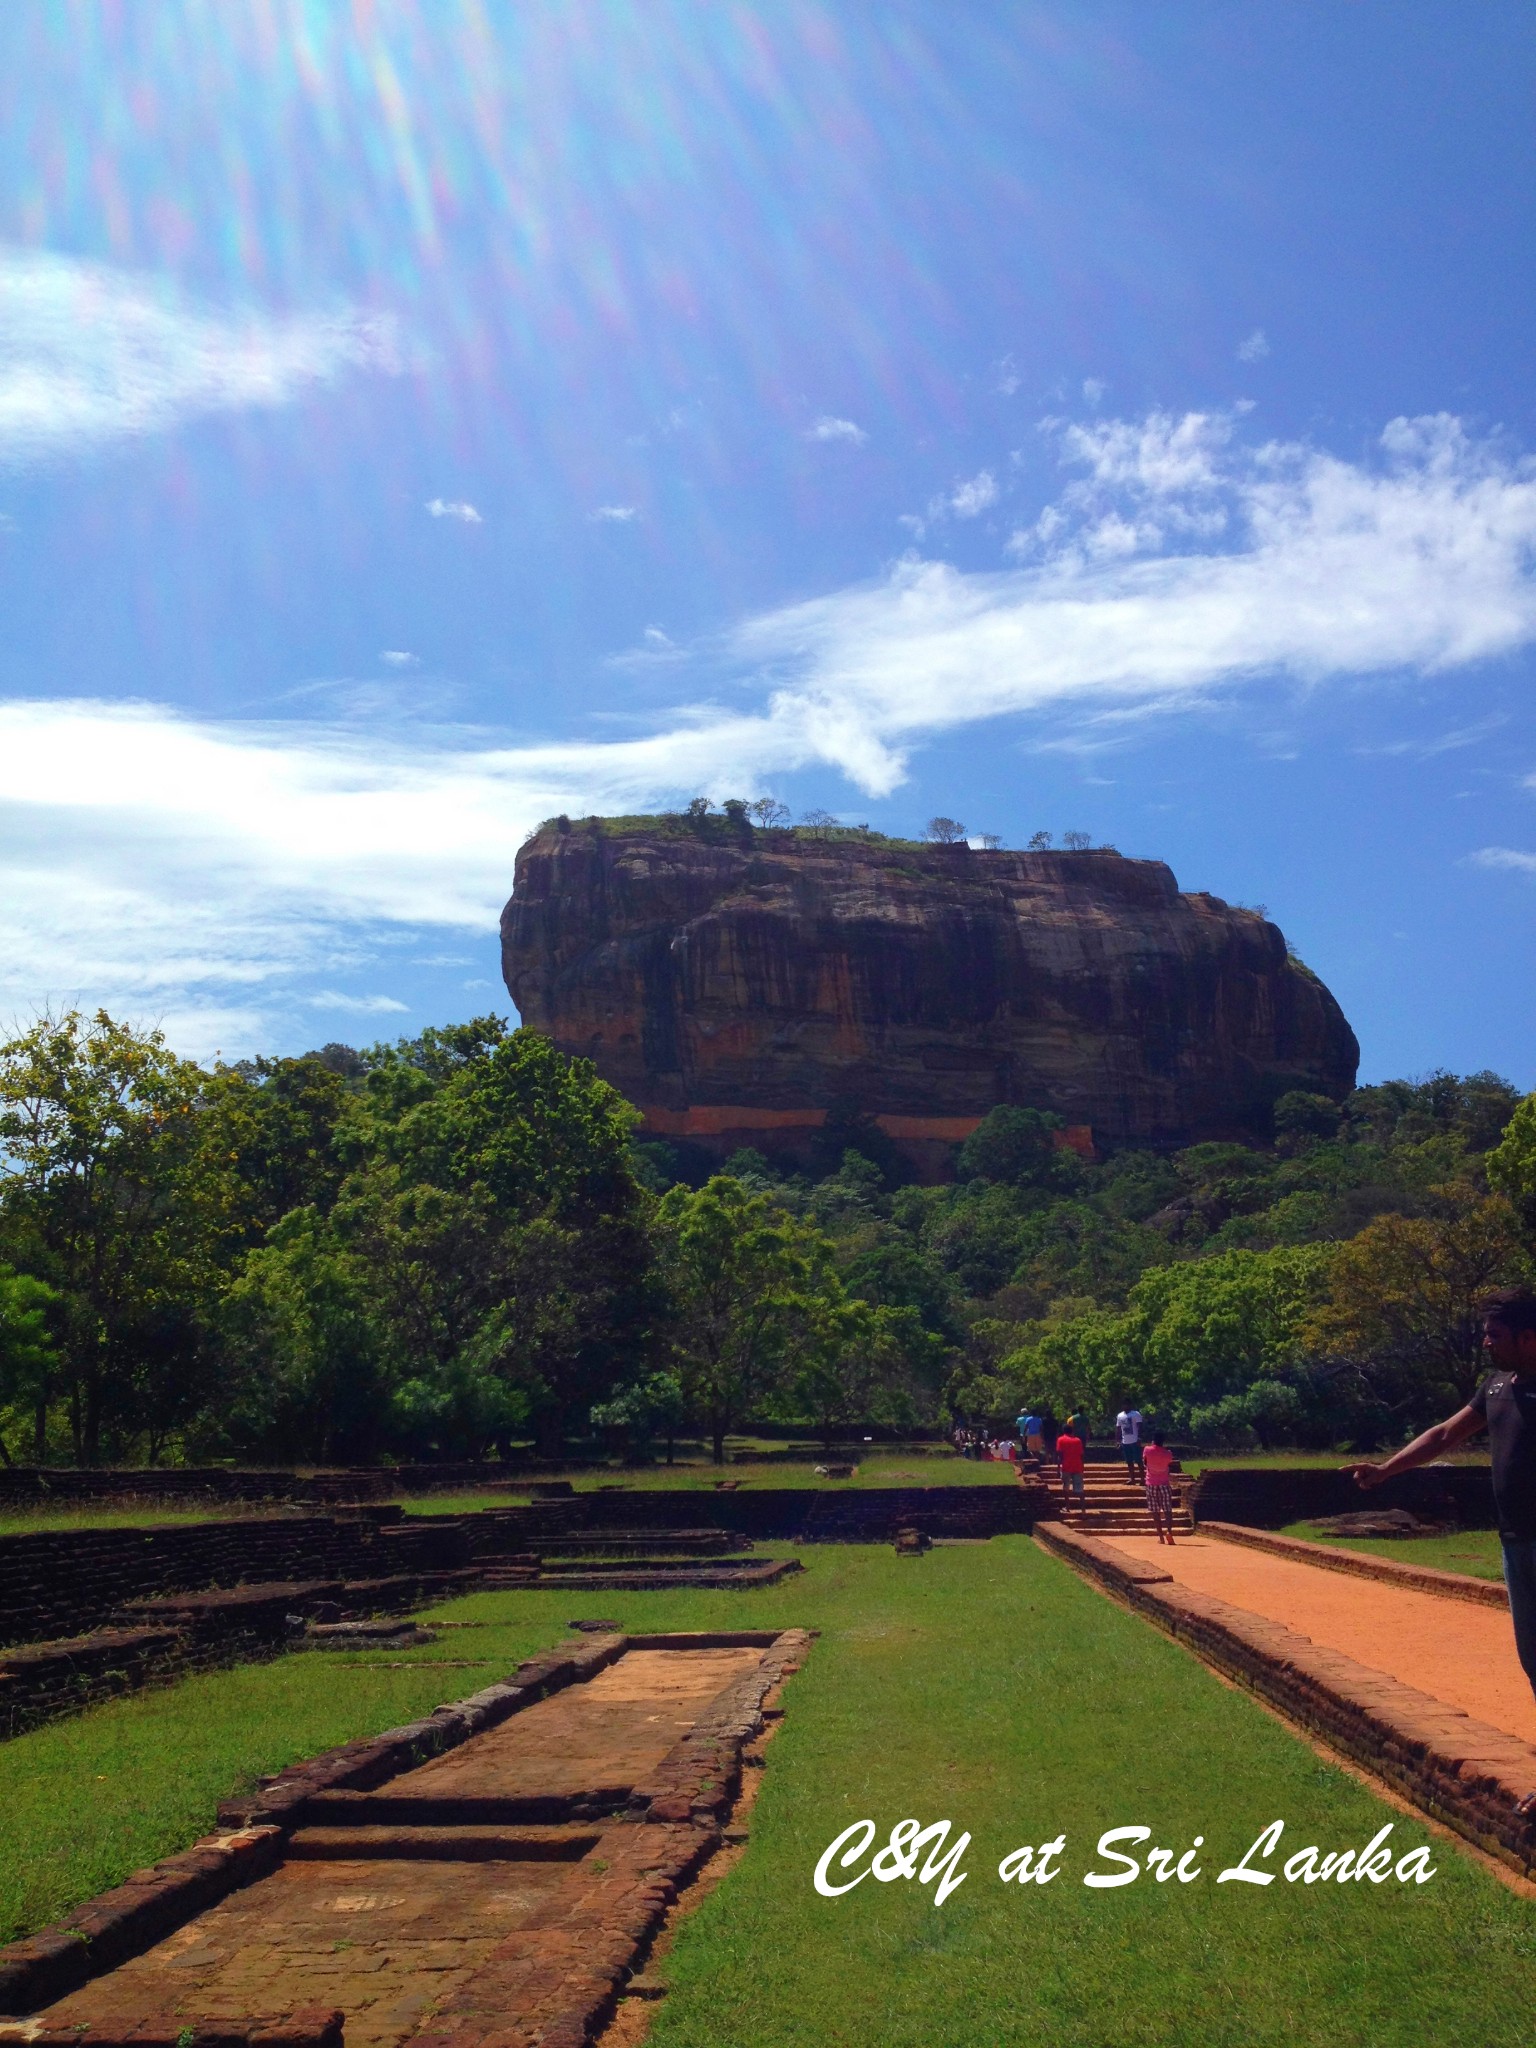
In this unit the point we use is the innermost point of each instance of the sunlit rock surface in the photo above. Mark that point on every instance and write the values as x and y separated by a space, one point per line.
738 984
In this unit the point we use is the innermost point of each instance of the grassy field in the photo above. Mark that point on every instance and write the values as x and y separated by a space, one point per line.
881 1469
1200 1461
981 1684
923 1467
1474 1551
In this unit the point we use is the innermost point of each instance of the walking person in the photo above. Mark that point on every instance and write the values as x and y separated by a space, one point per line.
1069 1457
1504 1405
1157 1465
1128 1436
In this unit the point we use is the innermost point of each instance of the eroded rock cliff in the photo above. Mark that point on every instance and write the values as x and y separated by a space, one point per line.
738 984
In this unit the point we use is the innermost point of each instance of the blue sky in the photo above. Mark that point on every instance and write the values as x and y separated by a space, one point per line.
419 420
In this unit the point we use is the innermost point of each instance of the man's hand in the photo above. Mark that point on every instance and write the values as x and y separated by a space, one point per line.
1365 1475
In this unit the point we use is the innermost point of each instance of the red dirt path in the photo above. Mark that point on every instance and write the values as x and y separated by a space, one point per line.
1461 1654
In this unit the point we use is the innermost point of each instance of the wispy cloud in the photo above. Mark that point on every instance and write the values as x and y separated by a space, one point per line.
1506 857
399 657
90 354
828 428
357 1006
200 864
1253 348
1440 743
974 496
616 515
454 508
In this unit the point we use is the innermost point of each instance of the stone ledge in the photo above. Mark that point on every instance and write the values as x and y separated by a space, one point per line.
1417 1578
1455 1768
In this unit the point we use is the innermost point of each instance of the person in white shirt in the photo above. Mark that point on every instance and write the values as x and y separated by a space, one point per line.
1128 1435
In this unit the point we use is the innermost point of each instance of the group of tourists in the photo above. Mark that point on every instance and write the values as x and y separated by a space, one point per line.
1150 1463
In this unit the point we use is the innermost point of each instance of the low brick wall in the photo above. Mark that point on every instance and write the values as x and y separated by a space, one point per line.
1270 1496
173 1634
1418 1578
1455 1768
69 1582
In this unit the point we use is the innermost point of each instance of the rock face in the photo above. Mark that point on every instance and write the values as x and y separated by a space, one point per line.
737 985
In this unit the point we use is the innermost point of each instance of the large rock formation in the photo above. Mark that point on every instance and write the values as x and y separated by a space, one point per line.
738 984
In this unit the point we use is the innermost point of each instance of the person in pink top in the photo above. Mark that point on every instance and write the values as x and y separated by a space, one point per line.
1157 1463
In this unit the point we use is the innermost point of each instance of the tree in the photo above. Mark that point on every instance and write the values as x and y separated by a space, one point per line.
847 1365
308 1348
1403 1304
742 1274
27 1360
1302 1117
1190 1333
1039 842
991 841
1013 1145
945 831
268 1129
768 813
1076 842
1512 1162
820 824
496 1208
109 1196
651 1407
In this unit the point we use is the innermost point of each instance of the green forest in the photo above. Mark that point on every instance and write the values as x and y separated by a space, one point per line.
456 1245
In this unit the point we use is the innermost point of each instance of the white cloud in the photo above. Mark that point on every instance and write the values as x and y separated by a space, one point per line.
1094 389
200 866
397 657
653 636
454 508
1504 857
90 355
617 515
1253 347
975 496
357 1006
827 428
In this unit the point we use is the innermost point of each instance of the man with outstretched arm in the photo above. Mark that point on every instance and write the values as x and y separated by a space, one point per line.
1504 1405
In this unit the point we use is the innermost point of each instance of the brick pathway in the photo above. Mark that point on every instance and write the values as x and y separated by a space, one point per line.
1459 1653
404 1894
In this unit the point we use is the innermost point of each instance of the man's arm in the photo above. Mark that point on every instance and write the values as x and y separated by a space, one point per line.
1434 1443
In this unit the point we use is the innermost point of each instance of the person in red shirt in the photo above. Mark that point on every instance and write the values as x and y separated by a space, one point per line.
1069 1456
1157 1464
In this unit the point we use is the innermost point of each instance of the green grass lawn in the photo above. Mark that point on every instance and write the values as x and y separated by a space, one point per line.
1201 1461
935 1466
1473 1551
142 1515
985 1685
881 1469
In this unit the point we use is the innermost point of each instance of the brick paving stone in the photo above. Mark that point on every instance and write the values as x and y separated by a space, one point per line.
462 1936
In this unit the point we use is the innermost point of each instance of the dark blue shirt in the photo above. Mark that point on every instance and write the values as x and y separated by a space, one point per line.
1507 1403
